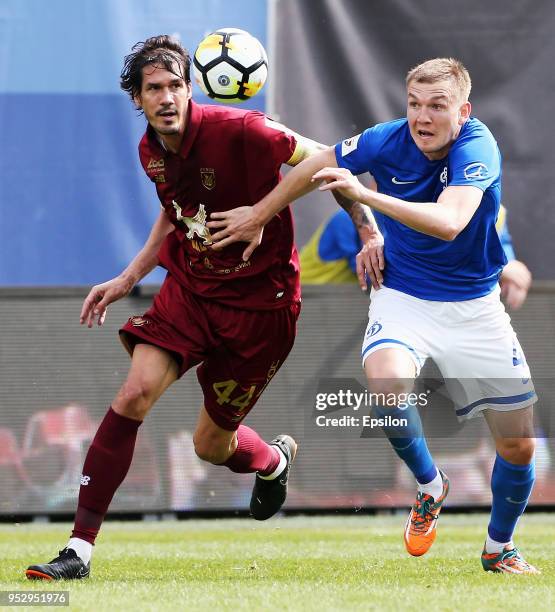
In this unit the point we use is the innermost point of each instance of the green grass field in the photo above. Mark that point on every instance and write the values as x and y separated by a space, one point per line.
300 563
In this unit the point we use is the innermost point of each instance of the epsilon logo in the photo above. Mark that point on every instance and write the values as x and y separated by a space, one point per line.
475 171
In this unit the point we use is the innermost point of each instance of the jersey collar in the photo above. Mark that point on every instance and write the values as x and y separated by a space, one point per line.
191 130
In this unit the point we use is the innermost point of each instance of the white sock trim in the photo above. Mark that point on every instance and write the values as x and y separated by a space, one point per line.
493 546
434 487
281 466
82 548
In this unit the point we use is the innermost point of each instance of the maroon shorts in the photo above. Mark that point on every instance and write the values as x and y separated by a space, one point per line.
239 350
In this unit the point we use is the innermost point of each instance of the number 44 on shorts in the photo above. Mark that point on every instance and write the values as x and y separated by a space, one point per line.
224 390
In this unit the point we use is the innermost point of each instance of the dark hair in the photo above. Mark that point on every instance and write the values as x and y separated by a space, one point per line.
163 50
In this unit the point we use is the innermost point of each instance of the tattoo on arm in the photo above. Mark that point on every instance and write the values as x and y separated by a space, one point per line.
360 214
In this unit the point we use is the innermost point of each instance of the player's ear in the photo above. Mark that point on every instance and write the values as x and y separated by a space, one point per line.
464 112
138 101
189 90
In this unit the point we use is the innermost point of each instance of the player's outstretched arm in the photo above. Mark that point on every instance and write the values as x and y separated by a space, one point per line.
100 296
445 219
245 224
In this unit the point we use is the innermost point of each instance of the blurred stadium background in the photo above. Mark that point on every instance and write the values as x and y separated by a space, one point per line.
76 207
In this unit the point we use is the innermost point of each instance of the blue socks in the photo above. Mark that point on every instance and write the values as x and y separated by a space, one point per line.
408 440
511 486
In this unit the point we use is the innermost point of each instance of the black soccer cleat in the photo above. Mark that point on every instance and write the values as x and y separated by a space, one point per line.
268 496
67 566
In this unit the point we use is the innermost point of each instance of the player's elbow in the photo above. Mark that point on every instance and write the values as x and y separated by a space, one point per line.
444 232
450 233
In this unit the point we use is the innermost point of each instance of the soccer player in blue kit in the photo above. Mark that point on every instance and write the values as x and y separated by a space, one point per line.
438 173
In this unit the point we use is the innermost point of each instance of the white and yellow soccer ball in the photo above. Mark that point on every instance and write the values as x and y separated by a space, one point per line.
230 65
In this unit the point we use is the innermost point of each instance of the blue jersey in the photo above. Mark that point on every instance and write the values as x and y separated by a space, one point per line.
423 266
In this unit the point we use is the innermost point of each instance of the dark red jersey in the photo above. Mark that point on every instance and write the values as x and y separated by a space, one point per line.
228 158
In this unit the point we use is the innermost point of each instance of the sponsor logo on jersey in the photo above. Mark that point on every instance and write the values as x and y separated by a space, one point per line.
156 169
195 225
349 145
208 178
475 171
155 164
397 181
239 267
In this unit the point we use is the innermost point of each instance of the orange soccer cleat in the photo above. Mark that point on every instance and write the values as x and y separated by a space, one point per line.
420 529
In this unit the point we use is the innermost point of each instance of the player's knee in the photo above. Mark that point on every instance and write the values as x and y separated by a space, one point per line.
210 449
389 372
388 388
519 451
134 399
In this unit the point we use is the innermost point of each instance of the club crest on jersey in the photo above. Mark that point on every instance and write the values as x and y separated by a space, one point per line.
195 225
208 178
443 177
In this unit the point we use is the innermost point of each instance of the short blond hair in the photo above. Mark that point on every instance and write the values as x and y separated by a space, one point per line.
443 69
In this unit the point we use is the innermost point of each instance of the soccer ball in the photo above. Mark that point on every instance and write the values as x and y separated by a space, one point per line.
230 65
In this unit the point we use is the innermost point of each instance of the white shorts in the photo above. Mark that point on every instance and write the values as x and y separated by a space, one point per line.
472 343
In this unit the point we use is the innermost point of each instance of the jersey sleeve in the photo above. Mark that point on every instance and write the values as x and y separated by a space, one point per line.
357 153
267 145
475 160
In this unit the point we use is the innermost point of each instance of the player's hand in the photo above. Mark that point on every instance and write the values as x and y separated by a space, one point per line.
236 225
342 180
515 282
370 261
100 296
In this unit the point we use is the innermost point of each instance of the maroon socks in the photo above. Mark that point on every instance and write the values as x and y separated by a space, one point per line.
106 465
253 454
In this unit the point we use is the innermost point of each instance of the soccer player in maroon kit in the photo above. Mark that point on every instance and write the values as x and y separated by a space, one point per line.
237 319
